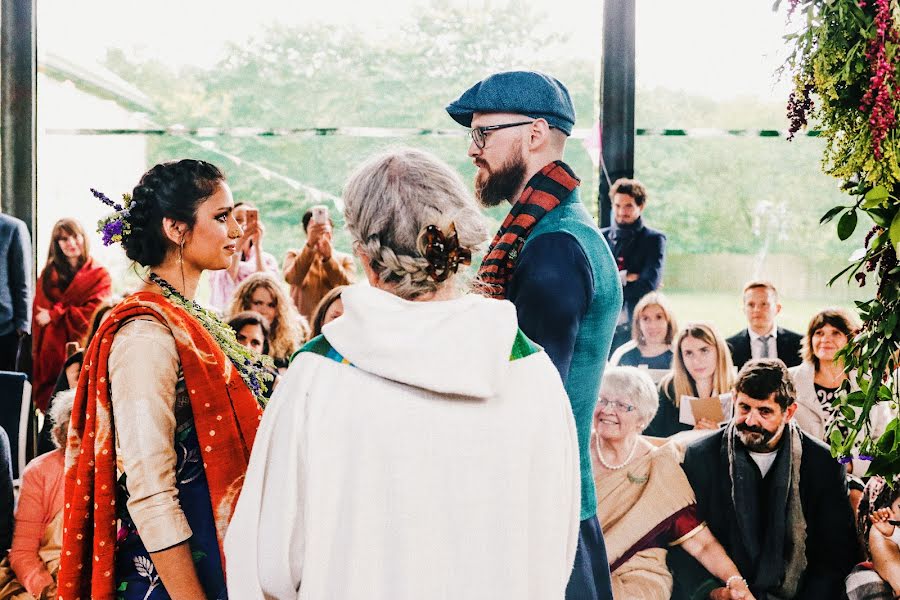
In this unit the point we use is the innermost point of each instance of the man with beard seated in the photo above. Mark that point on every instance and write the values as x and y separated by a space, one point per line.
772 495
548 258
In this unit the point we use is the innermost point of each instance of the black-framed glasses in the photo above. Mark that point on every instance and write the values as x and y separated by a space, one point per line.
479 134
615 405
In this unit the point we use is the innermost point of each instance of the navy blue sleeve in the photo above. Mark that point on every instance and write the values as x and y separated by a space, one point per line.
651 273
552 288
20 277
6 494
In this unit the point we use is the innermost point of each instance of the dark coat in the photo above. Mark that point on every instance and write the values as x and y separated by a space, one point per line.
6 494
831 544
787 344
644 254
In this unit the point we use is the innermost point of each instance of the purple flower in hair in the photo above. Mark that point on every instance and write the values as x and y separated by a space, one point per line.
105 200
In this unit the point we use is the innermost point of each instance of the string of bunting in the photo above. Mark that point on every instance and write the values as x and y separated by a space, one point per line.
394 132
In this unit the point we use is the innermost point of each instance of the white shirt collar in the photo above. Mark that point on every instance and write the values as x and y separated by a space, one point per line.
755 336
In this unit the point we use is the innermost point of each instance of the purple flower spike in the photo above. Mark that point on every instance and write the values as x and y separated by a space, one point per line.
866 457
845 459
105 200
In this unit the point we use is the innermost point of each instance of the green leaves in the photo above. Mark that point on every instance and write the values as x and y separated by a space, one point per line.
875 196
894 232
831 214
847 225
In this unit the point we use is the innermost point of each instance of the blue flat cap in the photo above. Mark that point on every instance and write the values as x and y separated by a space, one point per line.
528 93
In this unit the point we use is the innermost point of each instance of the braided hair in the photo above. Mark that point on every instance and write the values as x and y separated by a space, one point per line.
173 190
391 199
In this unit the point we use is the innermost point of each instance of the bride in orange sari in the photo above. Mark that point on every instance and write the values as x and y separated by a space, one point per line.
166 409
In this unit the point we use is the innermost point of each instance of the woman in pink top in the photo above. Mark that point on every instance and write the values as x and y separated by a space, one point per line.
34 557
249 259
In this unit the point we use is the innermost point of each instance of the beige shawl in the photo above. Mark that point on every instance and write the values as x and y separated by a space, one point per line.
631 502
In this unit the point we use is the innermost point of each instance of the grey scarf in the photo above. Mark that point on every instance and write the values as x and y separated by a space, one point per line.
784 524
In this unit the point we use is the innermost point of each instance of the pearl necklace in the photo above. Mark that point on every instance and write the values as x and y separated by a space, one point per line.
615 467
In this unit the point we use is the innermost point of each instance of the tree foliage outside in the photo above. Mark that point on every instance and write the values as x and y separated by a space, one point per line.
711 195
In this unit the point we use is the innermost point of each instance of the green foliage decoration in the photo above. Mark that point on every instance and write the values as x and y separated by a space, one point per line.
844 62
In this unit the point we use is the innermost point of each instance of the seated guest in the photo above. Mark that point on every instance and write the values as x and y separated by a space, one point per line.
248 259
644 501
68 376
880 506
652 330
701 368
252 332
262 293
772 495
34 557
423 439
763 338
6 493
330 308
318 267
821 376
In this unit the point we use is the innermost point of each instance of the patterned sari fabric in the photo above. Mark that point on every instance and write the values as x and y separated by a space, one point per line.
543 193
213 444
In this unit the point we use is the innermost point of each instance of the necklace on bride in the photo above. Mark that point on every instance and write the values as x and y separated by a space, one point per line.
615 467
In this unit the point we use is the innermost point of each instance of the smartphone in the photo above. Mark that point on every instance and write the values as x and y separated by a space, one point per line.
252 218
320 215
71 348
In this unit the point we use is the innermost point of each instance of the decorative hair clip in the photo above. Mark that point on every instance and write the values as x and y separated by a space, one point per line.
443 252
115 227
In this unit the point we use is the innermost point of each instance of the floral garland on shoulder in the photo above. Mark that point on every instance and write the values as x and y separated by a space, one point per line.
254 368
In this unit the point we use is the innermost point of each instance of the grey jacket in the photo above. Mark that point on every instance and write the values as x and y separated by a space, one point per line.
15 276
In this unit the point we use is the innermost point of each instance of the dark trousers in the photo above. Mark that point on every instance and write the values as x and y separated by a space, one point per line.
590 575
9 347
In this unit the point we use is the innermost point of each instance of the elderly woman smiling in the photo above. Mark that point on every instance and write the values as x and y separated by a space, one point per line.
645 503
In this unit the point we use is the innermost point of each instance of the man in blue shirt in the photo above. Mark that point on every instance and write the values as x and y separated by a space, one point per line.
15 288
548 258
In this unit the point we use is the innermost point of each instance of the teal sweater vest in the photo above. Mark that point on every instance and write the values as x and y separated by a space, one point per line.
595 332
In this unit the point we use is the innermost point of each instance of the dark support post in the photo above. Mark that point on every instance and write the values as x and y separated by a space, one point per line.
616 97
18 76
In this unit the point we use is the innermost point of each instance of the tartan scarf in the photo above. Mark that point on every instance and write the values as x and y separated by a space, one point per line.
543 193
226 416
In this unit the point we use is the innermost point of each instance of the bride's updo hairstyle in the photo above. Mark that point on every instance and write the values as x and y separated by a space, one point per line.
174 190
389 203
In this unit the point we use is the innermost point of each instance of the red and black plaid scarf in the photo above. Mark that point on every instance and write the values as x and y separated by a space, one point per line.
543 193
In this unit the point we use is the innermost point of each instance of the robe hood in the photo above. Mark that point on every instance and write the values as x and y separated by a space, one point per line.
459 346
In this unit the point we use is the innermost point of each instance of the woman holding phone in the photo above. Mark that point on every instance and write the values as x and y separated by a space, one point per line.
249 259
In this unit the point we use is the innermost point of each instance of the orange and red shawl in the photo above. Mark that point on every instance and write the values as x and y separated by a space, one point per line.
226 416
544 192
70 314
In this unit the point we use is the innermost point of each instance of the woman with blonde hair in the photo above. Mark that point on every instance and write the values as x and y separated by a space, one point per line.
652 330
701 368
262 293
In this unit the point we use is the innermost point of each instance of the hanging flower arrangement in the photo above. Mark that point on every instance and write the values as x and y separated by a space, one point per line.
845 60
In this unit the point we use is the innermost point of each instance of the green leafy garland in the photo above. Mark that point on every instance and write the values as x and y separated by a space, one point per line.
253 367
845 63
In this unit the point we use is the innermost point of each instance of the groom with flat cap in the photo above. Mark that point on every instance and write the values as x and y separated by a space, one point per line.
548 258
